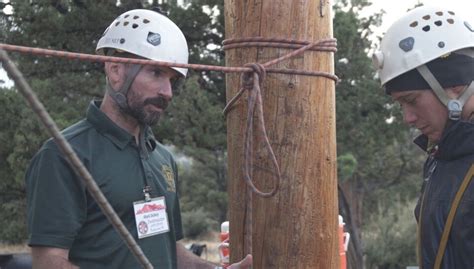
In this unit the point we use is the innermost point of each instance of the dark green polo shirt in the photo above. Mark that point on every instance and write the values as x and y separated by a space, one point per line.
62 214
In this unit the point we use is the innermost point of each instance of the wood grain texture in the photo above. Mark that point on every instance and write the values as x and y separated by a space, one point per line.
298 227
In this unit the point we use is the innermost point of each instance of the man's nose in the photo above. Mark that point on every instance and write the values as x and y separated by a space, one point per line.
165 89
409 116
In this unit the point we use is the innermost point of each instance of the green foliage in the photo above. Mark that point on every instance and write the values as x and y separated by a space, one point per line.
13 221
194 107
199 188
390 235
362 110
64 86
196 222
346 165
194 123
378 160
375 155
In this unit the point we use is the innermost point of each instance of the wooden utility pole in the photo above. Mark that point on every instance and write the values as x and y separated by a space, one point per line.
297 228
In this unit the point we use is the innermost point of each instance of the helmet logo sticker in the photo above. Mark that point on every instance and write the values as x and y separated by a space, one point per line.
407 44
154 38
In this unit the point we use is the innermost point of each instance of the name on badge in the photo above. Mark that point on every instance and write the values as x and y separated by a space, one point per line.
151 217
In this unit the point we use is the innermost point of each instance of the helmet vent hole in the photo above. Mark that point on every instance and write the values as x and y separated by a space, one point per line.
452 13
117 23
126 16
135 17
426 28
134 26
146 21
426 17
438 23
439 13
125 23
414 24
441 44
450 21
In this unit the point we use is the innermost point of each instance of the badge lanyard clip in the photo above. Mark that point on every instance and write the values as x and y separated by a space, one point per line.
146 192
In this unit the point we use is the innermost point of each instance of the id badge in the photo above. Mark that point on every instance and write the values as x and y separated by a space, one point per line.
151 217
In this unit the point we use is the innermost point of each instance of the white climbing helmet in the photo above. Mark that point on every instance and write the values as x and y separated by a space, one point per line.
148 34
422 35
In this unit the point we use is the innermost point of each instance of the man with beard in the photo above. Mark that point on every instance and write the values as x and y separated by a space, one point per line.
136 173
426 64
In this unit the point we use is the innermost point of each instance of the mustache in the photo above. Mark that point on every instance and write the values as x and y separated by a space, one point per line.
159 101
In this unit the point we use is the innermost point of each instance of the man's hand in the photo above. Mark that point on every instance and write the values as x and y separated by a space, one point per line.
246 263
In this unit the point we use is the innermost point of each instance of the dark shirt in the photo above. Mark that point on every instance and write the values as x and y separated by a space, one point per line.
444 171
62 213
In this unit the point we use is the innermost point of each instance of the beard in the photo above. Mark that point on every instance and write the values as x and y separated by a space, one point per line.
136 108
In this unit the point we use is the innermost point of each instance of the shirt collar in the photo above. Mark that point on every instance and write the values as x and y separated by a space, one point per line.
120 137
454 142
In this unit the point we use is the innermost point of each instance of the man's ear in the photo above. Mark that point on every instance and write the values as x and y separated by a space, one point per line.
115 73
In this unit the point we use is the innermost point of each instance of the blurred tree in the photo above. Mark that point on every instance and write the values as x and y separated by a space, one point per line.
376 161
390 239
194 122
12 191
370 131
64 86
67 86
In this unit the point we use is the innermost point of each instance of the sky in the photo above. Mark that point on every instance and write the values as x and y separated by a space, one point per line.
393 8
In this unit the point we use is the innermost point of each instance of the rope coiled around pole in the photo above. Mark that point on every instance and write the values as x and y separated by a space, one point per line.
252 82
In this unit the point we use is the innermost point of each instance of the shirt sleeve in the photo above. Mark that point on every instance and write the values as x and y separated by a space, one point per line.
56 201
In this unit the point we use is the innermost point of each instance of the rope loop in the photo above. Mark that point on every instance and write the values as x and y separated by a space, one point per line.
252 82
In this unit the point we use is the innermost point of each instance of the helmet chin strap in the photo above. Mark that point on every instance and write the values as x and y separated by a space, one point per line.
454 105
120 96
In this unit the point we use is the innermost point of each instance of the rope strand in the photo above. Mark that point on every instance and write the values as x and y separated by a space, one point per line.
102 59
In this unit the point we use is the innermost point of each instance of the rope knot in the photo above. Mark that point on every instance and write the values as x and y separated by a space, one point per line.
250 80
258 72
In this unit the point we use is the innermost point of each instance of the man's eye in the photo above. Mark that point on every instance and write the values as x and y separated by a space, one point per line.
156 72
411 101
